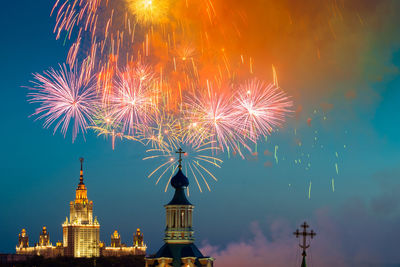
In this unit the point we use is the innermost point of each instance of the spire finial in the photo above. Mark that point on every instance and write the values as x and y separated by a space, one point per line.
81 176
180 152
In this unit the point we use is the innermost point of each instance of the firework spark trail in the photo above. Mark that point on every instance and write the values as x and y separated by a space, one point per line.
64 95
165 133
196 158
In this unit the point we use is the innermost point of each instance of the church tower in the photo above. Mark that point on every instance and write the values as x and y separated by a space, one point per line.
179 248
81 232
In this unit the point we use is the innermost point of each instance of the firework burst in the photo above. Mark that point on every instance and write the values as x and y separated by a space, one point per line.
64 95
149 11
133 101
164 134
158 72
212 115
260 108
196 163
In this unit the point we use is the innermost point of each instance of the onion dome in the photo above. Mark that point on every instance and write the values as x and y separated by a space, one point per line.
179 180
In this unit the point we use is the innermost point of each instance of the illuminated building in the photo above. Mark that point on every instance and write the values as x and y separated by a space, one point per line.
43 248
179 248
44 237
115 240
138 239
23 239
81 234
119 249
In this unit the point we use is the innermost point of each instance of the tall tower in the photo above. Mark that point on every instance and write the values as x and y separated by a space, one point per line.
81 232
179 248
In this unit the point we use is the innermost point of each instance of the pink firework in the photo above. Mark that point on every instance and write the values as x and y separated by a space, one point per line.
260 108
133 100
64 95
211 116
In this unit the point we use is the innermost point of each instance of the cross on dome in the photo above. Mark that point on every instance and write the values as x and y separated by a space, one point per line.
180 152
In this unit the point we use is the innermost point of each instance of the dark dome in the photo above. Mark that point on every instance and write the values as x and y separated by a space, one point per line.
179 180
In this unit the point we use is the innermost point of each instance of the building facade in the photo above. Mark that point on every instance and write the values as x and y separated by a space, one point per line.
81 234
43 248
179 248
119 249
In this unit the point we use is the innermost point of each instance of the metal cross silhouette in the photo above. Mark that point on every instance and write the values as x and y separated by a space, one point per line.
180 152
304 234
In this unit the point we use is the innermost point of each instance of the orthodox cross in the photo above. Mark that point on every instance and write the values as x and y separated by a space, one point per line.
180 152
304 234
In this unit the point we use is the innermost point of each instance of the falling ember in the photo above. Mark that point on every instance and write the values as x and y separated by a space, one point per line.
275 154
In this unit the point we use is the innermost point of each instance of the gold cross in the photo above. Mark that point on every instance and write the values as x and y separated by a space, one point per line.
180 152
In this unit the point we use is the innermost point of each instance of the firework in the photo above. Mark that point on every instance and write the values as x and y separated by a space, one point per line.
197 159
133 102
164 134
260 108
149 11
104 124
64 95
154 74
212 115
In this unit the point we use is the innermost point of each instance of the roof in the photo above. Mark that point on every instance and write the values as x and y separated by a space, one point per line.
179 198
179 182
178 251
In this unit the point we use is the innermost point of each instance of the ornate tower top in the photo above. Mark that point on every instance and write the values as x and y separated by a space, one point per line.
81 191
81 174
179 182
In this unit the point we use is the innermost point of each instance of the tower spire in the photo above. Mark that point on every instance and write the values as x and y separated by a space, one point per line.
81 174
304 245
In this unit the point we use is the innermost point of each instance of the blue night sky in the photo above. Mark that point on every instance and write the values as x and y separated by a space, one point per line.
351 94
